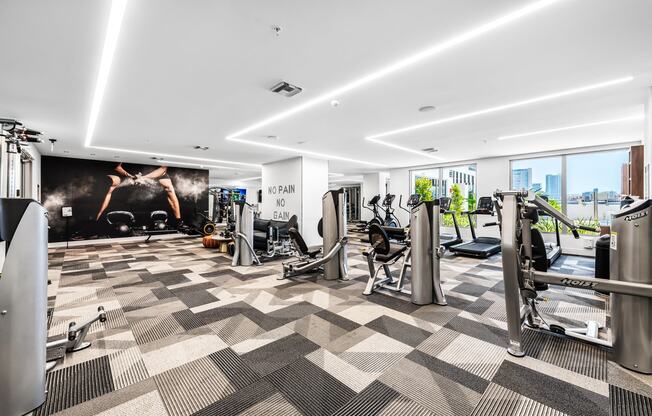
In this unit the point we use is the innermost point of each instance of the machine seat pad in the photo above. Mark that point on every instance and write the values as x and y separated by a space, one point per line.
260 240
395 250
261 225
313 251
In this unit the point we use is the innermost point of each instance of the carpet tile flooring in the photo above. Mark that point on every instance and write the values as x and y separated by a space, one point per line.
187 334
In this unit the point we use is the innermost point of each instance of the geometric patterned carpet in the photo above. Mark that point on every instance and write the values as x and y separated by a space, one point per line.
187 334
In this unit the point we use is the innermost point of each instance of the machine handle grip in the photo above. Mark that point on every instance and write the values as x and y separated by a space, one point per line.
575 233
490 224
594 230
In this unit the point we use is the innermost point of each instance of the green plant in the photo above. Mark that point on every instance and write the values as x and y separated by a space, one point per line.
547 224
423 187
457 199
457 206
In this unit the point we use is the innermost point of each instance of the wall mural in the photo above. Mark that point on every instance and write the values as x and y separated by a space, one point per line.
113 199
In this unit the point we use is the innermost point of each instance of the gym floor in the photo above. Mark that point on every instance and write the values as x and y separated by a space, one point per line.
188 334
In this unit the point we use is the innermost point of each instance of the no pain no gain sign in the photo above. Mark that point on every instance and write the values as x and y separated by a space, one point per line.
280 193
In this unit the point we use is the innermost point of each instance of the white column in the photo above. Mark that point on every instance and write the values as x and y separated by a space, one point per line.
295 187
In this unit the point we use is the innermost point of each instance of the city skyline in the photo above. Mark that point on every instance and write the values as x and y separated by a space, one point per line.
584 172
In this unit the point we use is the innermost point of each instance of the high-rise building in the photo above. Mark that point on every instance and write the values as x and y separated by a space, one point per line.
553 186
522 178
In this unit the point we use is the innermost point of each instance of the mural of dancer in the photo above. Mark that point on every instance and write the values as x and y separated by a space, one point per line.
97 190
159 176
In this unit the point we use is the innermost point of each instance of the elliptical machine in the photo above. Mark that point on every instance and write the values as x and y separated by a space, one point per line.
390 220
377 219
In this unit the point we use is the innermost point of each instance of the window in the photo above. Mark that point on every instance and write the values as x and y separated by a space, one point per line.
455 182
542 175
585 186
594 186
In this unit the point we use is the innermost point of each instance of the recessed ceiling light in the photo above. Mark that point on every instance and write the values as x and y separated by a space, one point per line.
271 137
335 103
503 107
427 108
430 150
92 154
577 126
406 62
110 43
66 151
150 153
201 147
156 158
300 142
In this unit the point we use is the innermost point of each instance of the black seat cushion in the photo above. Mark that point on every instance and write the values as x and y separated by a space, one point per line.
539 256
261 225
301 245
260 240
395 250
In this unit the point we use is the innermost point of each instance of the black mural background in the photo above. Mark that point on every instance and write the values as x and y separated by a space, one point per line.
82 184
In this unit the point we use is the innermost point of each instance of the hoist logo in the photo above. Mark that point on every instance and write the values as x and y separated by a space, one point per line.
636 216
577 283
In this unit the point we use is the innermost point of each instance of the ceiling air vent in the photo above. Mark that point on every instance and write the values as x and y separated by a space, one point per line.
285 89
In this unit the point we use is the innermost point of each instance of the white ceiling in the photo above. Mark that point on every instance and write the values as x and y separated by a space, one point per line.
191 73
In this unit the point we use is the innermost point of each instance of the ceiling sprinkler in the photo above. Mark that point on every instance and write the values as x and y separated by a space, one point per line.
52 142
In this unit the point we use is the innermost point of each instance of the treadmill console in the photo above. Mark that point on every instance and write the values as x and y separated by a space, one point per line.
444 203
485 206
389 200
414 200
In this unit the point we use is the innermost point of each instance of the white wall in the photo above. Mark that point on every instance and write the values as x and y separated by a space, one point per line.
372 185
314 185
399 185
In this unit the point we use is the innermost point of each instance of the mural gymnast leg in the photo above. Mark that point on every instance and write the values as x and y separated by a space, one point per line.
115 181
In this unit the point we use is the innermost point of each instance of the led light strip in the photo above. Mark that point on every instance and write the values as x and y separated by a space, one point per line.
306 152
403 63
577 126
539 99
173 162
110 43
200 159
406 149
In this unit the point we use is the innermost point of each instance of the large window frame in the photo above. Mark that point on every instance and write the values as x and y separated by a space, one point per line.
564 170
441 183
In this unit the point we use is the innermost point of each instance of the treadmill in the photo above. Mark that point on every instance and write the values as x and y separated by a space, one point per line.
448 240
479 247
553 251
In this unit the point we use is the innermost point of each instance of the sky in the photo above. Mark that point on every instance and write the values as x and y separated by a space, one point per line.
584 171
